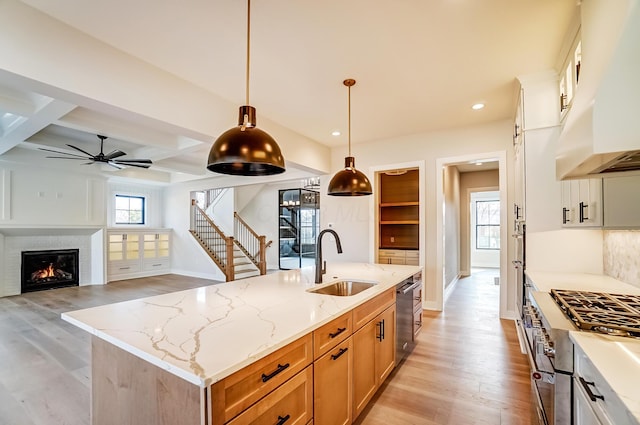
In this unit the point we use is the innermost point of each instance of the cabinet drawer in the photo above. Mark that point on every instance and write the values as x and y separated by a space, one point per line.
239 391
156 264
367 311
291 403
391 253
412 254
331 334
417 322
417 297
123 267
412 261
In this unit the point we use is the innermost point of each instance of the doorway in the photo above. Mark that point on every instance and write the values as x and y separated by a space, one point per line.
459 177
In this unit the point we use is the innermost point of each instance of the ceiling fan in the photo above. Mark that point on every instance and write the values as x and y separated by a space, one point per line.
109 159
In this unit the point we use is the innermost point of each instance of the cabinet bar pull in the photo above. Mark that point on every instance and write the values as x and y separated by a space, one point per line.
583 217
336 333
565 220
586 387
379 337
280 368
282 419
341 352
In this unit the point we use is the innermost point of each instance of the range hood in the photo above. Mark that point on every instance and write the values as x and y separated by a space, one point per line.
601 133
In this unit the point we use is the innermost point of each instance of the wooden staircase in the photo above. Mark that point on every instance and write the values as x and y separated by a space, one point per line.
238 257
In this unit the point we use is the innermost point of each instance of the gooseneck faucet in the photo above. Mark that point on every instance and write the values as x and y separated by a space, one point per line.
321 266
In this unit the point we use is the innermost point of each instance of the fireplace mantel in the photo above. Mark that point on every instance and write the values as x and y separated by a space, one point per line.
48 230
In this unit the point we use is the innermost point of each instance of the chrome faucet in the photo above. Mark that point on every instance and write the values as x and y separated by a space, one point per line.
321 266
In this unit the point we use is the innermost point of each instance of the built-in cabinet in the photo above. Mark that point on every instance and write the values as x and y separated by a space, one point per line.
582 203
299 225
137 253
398 216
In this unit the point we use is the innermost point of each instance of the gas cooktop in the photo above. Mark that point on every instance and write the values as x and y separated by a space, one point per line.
613 314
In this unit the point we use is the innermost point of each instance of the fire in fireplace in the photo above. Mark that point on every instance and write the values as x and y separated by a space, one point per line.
49 269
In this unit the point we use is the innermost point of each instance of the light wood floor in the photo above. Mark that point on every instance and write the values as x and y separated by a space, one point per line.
466 369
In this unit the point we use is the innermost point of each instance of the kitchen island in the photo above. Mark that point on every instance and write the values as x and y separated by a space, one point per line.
156 359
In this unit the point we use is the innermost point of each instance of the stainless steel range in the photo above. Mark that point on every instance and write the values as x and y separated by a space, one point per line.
548 320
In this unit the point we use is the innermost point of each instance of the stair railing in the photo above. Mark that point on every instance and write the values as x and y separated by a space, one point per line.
218 246
253 245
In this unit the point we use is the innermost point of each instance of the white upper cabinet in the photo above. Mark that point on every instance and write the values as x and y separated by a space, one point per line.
622 202
582 203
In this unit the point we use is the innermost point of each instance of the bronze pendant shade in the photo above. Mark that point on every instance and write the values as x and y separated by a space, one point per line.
246 150
350 181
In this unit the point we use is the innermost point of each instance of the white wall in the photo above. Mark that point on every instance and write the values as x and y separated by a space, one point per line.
451 220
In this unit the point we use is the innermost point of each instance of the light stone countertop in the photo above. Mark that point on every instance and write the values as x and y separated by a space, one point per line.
546 281
617 359
205 334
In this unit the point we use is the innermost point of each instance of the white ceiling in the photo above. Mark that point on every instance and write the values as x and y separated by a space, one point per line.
419 66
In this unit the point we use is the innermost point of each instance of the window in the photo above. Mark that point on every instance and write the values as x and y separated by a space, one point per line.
487 224
129 209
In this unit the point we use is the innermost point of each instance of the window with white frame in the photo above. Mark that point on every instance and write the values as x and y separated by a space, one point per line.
130 209
487 224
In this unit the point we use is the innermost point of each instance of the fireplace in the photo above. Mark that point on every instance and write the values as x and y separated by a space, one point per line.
49 269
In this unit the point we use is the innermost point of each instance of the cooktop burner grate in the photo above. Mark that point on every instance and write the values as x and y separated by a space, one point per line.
614 314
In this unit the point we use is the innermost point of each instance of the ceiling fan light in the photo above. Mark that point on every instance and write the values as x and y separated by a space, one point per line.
246 150
350 181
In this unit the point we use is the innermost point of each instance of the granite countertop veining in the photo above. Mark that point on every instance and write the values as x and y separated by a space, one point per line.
205 334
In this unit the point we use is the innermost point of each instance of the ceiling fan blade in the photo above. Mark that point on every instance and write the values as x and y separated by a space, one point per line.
78 149
115 165
65 153
142 161
114 154
128 164
67 157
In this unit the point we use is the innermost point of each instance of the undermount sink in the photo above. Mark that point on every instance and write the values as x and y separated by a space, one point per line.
343 288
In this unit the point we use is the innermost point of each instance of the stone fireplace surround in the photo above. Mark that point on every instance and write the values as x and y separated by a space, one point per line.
89 242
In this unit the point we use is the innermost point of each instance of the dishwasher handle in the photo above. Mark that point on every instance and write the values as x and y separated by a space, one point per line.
410 286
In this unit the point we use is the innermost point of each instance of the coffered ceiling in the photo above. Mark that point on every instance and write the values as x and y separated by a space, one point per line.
419 65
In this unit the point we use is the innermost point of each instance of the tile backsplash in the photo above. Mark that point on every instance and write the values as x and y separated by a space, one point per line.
622 255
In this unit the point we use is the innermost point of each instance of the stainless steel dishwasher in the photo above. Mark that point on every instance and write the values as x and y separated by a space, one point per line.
404 315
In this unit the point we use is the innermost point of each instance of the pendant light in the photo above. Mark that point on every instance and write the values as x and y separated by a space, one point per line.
350 181
246 150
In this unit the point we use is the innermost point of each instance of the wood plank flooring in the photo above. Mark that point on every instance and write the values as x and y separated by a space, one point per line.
466 369
45 361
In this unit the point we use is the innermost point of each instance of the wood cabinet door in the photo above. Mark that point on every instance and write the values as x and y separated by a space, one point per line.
385 347
332 386
364 368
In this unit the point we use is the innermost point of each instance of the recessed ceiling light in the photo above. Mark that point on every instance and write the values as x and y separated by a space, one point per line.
335 133
478 106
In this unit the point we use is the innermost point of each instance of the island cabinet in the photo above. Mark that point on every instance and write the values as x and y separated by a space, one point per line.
373 348
332 372
285 375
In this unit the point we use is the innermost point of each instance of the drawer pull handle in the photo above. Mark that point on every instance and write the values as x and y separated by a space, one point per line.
380 336
590 393
336 333
419 323
280 368
283 419
341 352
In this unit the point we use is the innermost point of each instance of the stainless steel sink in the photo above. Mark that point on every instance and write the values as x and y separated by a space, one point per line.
343 288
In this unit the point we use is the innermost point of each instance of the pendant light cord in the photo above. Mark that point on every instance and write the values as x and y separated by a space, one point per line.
349 97
248 46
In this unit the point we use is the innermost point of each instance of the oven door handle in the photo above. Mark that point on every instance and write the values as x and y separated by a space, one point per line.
409 287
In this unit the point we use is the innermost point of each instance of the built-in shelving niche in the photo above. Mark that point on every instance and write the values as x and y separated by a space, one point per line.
399 217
